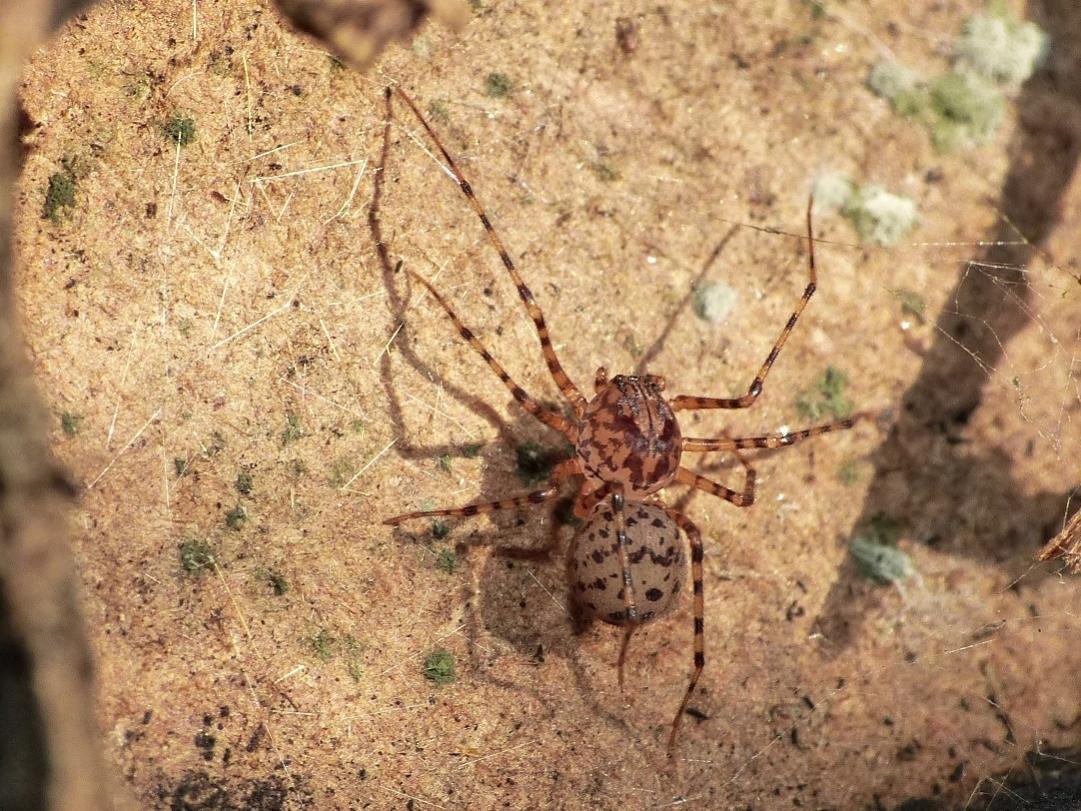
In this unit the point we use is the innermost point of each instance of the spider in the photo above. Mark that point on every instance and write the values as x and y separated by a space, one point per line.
627 558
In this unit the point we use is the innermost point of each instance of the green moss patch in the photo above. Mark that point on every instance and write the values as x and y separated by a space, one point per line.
179 129
59 196
439 666
497 85
876 554
196 556
826 397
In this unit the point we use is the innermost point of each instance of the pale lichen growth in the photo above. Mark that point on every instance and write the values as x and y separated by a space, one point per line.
714 302
880 562
964 106
878 215
831 191
1000 48
876 554
890 79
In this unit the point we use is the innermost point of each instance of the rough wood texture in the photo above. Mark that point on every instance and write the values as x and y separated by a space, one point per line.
252 385
51 749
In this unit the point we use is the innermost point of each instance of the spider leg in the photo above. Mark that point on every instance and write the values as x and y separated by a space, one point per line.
690 402
549 418
694 537
572 468
536 497
562 380
561 471
600 380
702 444
631 606
628 631
741 498
588 499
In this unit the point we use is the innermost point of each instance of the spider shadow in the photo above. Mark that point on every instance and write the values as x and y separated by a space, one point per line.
967 501
519 594
524 590
516 577
526 582
397 303
498 480
658 344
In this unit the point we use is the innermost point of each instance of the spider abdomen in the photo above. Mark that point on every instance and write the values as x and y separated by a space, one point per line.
628 435
656 561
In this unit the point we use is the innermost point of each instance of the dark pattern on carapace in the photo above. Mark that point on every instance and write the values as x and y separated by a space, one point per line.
628 435
627 560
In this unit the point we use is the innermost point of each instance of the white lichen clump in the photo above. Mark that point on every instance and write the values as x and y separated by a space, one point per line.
1001 49
880 216
877 215
881 562
963 107
831 191
714 302
890 79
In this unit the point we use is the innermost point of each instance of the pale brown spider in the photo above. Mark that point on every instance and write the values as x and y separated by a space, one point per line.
627 447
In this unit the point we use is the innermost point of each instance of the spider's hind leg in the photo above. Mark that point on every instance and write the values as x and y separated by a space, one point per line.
555 368
629 602
628 632
694 538
687 402
561 471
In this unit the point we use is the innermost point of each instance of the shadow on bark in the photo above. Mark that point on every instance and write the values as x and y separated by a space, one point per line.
949 494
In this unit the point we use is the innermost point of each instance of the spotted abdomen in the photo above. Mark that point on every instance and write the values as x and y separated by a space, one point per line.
656 560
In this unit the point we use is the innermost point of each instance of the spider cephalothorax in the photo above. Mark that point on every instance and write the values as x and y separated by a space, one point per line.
628 447
629 436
